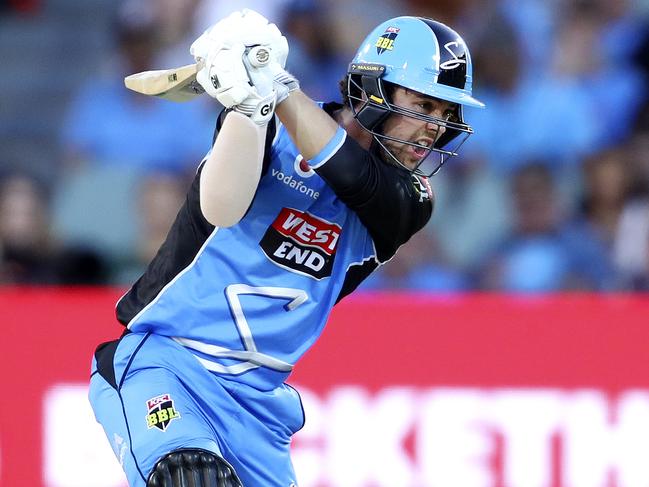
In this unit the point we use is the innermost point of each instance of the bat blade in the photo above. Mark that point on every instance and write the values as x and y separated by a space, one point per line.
177 84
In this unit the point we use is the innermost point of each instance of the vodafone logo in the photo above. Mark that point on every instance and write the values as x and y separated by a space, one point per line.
302 167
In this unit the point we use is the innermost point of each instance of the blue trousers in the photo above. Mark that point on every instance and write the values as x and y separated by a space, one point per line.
152 396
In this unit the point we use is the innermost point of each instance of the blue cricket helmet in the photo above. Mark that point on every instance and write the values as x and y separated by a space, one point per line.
421 55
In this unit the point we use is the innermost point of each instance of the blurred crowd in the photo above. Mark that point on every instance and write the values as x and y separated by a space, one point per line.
551 193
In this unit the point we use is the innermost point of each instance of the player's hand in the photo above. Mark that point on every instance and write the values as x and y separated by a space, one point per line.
232 76
284 82
246 27
260 104
223 75
236 76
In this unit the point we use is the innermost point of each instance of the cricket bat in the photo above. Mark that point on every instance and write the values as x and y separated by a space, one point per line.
179 84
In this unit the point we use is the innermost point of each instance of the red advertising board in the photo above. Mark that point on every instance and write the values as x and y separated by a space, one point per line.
401 390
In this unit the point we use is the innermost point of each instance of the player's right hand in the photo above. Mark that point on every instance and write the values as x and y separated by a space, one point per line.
247 27
230 67
283 81
259 105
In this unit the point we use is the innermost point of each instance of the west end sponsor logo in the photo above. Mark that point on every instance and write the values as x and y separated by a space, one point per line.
301 242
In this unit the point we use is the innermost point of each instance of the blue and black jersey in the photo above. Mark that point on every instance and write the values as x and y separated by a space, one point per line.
250 299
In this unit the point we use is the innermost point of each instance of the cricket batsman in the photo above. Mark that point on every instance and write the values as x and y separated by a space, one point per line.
296 203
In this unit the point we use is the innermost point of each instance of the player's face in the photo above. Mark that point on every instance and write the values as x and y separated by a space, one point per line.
414 130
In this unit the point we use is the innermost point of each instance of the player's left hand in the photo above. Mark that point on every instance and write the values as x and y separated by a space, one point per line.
223 75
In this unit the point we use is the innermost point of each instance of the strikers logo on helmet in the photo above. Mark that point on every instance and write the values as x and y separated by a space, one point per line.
455 60
386 41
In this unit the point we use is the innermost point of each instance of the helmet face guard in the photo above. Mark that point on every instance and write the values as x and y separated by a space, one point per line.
373 108
419 55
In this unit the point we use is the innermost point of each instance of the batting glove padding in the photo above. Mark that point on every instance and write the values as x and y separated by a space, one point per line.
260 104
284 81
224 76
247 27
234 55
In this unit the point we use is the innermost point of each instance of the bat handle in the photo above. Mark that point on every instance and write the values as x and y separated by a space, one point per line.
259 56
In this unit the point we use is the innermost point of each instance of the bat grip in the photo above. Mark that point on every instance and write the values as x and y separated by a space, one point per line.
258 56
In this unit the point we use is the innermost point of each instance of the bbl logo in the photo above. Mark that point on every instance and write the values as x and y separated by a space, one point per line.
160 412
386 41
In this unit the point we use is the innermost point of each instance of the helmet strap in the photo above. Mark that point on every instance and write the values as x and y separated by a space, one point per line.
374 108
371 116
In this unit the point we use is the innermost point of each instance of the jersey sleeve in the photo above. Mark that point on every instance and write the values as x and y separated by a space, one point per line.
390 201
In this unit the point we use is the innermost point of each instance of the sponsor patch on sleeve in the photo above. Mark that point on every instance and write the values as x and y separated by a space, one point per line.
302 243
160 412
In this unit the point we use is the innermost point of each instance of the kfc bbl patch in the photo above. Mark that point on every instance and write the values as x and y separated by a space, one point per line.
302 243
160 412
386 41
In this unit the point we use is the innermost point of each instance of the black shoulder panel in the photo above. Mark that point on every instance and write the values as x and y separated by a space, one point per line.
452 55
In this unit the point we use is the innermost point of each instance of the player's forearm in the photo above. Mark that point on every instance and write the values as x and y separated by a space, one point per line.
309 126
230 175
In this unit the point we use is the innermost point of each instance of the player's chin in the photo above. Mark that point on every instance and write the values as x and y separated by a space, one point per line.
405 155
410 163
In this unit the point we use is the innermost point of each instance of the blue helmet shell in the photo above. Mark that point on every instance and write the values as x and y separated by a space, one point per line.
422 55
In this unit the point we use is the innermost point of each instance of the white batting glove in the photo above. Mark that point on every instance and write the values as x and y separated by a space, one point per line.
259 105
228 74
218 51
284 81
223 75
259 109
247 27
